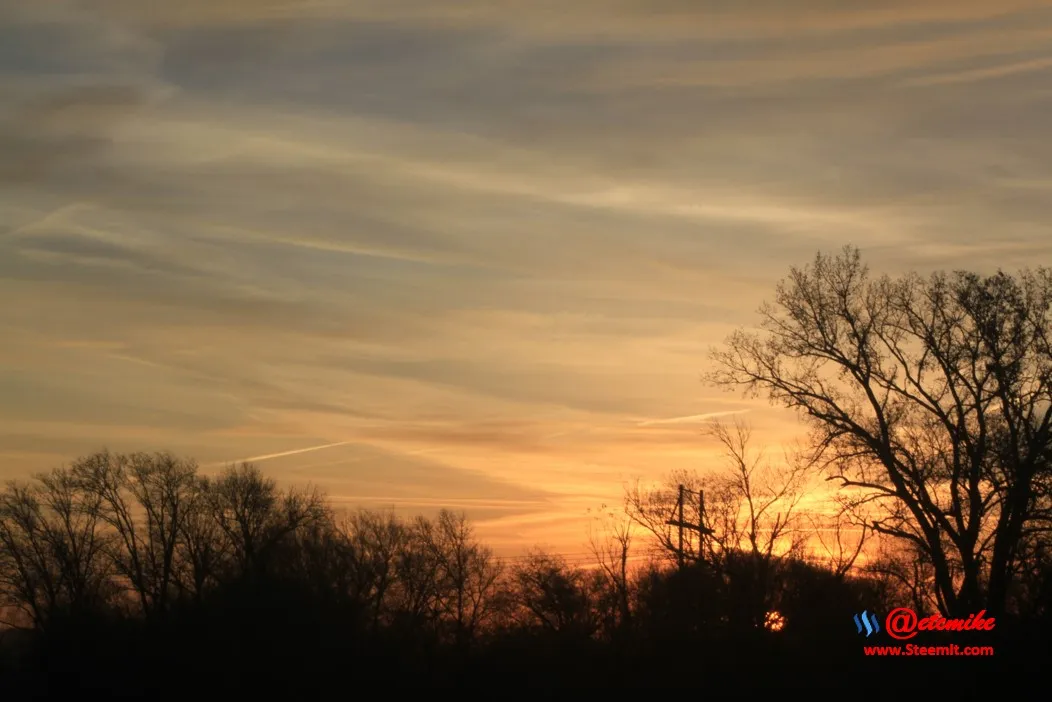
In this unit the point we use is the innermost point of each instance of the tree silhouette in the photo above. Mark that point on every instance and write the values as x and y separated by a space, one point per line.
255 516
931 397
751 513
610 541
554 596
466 574
373 544
143 499
52 549
138 576
201 552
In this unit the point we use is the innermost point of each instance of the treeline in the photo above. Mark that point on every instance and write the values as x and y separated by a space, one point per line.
137 573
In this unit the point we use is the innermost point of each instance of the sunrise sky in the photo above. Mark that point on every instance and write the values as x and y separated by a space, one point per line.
475 251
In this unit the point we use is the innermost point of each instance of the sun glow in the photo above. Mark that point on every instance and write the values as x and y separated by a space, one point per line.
774 621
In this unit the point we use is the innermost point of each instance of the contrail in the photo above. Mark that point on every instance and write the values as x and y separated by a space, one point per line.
45 218
439 501
268 456
650 422
359 459
691 418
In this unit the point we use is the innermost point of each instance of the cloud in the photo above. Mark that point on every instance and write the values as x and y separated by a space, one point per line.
400 473
691 419
979 74
489 243
587 19
59 135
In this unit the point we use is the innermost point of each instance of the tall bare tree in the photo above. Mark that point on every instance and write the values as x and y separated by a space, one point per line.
610 540
255 515
751 514
417 568
202 552
553 595
467 574
374 541
53 548
144 500
751 501
756 500
931 395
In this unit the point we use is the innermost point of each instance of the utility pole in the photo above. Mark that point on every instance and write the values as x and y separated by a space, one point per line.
680 523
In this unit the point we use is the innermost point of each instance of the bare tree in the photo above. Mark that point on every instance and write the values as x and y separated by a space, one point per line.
653 507
143 499
933 395
202 552
610 540
417 570
255 516
375 541
467 574
553 595
52 549
757 500
163 487
751 516
904 574
321 557
755 517
840 539
751 503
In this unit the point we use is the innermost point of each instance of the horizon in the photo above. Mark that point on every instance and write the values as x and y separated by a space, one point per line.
430 256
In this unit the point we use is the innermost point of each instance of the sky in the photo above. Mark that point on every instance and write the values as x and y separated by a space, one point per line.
473 254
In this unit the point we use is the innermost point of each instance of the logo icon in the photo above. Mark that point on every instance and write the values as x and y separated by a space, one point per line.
868 622
902 623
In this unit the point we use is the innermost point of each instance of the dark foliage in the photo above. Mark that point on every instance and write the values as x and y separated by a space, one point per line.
313 605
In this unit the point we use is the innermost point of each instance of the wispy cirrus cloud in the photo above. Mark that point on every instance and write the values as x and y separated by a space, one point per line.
691 419
487 244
